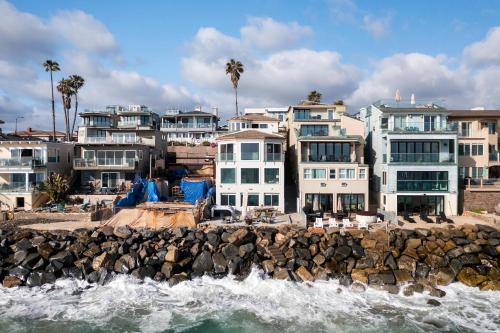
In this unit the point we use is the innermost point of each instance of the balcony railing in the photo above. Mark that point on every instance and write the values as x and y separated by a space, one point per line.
95 139
226 157
20 163
188 125
16 187
424 127
327 158
134 124
274 157
422 185
494 156
490 183
422 158
122 139
111 163
250 156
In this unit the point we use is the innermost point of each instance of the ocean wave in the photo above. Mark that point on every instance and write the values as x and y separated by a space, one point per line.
256 304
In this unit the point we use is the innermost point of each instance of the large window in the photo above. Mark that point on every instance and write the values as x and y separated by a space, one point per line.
319 202
250 175
228 175
271 175
352 202
492 128
421 151
115 157
422 181
300 114
333 173
467 149
345 173
314 173
271 200
273 151
326 152
466 128
124 138
253 200
228 199
250 151
314 130
227 152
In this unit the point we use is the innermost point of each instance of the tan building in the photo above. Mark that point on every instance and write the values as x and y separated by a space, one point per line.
478 143
326 151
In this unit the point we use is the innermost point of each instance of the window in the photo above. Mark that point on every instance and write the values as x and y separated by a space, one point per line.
314 130
326 152
385 200
300 114
255 125
384 178
314 173
421 151
492 128
124 138
333 173
226 152
352 202
271 200
227 199
346 173
89 154
271 175
250 175
250 151
477 149
476 172
361 173
262 125
319 201
466 149
422 181
253 200
53 155
384 123
273 152
228 175
465 128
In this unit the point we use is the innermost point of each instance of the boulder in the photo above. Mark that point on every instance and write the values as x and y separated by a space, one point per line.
368 243
19 272
490 286
402 276
33 261
220 263
422 270
230 251
177 278
381 278
125 264
45 250
172 254
361 275
12 281
342 252
319 259
40 278
19 256
281 274
470 277
304 274
357 251
240 237
246 250
472 248
435 261
407 263
433 302
268 266
122 232
389 261
63 257
101 261
442 276
144 272
413 288
203 263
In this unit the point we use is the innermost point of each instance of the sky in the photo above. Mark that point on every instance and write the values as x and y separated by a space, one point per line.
172 54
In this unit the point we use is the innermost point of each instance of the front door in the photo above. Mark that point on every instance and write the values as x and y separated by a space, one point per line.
109 179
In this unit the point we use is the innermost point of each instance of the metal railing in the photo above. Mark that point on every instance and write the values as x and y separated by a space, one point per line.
422 158
21 163
104 163
482 183
122 139
189 125
424 127
422 185
328 158
16 187
250 156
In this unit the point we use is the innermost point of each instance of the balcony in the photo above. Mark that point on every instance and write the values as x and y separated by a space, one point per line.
103 164
274 157
134 124
421 158
95 139
16 187
422 185
17 163
226 157
327 158
189 126
494 156
423 127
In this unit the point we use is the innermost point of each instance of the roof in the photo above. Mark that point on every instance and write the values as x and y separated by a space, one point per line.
312 105
338 138
474 113
255 117
35 133
190 113
11 137
250 134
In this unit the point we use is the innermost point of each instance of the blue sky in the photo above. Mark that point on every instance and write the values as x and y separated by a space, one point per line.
171 53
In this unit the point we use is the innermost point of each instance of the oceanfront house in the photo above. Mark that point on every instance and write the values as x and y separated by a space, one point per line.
412 151
46 135
25 163
194 127
326 154
253 121
280 113
478 145
115 144
250 170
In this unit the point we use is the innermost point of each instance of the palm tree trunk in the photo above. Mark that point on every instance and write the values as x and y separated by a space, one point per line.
74 116
53 109
65 114
236 99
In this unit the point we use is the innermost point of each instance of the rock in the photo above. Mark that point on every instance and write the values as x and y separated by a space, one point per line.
435 292
368 243
246 250
304 274
357 251
413 243
234 266
491 250
33 261
303 253
413 288
361 275
230 251
470 277
381 278
63 257
122 232
19 272
407 263
125 264
402 276
313 249
319 259
12 281
342 252
203 263
281 274
100 261
268 266
40 278
241 236
365 262
469 259
321 273
45 250
449 245
19 256
490 286
389 261
433 302
435 261
220 263
177 278
442 276
172 254
455 252
461 241
159 277
22 245
358 287
72 272
472 248
144 272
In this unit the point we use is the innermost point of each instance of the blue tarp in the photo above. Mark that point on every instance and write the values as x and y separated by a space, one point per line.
152 192
194 190
135 195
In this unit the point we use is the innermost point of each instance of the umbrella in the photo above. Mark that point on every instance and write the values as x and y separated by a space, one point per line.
397 98
316 203
412 101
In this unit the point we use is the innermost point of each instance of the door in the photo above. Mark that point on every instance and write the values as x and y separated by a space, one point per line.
109 179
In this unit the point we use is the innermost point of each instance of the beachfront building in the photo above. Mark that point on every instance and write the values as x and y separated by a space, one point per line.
115 144
326 155
412 152
194 127
253 121
250 170
478 144
280 113
25 163
46 135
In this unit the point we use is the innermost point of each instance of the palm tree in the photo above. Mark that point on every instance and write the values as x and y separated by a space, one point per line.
76 82
64 87
52 66
234 69
314 96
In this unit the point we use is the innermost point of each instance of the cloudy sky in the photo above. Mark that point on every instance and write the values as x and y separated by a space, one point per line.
172 54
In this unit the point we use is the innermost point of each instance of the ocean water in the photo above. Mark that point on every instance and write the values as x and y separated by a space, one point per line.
256 304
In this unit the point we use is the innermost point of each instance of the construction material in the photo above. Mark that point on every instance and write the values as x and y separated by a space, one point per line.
195 189
153 219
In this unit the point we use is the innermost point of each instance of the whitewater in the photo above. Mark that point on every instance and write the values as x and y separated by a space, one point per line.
256 304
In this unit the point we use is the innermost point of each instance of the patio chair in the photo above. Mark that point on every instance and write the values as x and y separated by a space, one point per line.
332 222
444 218
318 223
408 218
346 223
425 218
363 225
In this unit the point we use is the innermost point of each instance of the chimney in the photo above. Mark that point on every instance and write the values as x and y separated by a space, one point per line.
215 111
30 130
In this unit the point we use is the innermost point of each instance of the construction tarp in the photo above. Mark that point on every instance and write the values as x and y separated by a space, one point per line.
152 192
194 189
135 195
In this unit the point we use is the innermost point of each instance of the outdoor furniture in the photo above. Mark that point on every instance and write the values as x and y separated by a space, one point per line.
362 225
346 223
332 222
408 218
425 218
318 223
444 218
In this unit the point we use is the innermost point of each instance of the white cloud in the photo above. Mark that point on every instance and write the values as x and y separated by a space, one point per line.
268 34
485 52
376 27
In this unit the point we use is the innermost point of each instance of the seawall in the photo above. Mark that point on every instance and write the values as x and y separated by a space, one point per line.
415 260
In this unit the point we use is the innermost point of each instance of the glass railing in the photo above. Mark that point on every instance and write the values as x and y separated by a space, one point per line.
15 187
225 157
270 157
250 156
422 158
494 157
188 125
103 162
16 162
95 139
121 139
327 158
422 185
424 127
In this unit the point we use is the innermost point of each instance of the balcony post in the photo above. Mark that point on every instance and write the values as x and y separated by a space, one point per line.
26 181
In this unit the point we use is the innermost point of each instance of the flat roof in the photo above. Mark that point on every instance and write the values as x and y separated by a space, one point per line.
254 117
474 113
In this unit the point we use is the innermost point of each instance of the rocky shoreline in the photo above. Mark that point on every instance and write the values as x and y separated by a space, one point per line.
414 260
